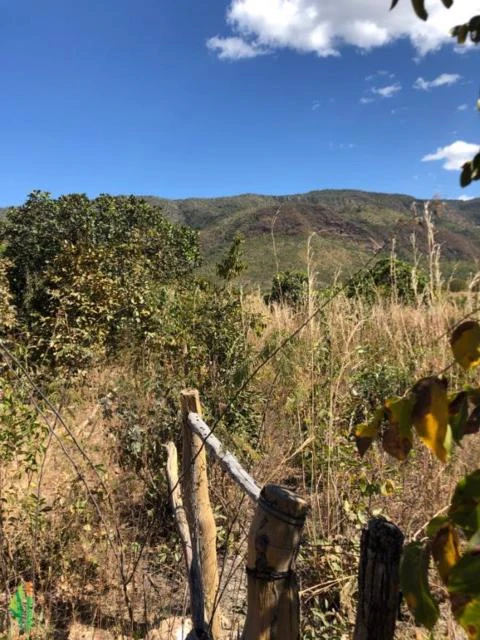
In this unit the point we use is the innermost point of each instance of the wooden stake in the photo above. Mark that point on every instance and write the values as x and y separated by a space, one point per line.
378 581
177 504
204 569
273 600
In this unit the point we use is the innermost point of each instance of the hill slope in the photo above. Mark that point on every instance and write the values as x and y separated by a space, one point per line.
347 226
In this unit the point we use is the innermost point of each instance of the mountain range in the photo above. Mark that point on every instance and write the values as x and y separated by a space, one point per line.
338 229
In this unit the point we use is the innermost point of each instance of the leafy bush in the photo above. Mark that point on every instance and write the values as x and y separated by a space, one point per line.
89 275
288 287
7 309
388 278
457 284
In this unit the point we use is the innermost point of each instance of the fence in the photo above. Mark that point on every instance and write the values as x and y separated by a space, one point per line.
274 539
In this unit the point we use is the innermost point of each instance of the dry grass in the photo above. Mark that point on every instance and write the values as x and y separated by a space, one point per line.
85 531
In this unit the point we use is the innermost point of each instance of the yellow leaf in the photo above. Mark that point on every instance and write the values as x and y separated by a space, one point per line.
430 415
465 343
366 433
387 488
445 550
397 436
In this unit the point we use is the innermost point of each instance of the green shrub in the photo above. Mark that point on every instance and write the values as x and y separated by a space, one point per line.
457 284
288 287
388 278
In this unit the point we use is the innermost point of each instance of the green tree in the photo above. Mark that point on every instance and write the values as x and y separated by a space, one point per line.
232 264
87 275
40 230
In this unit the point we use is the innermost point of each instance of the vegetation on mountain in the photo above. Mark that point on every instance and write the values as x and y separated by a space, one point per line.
343 228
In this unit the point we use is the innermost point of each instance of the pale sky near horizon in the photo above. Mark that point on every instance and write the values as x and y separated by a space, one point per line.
222 97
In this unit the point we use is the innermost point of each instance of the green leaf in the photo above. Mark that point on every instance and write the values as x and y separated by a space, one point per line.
465 506
458 412
469 617
466 175
476 167
460 32
473 423
464 577
419 8
22 607
415 587
435 525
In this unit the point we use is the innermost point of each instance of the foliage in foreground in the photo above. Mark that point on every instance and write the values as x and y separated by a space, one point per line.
440 419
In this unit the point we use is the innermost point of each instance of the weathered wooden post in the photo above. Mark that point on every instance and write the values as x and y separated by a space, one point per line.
176 501
378 581
274 538
203 576
273 542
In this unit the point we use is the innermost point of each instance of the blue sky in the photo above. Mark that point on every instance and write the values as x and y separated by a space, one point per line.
220 97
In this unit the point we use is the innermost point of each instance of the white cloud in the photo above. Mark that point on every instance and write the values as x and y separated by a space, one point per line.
454 155
443 80
325 26
343 146
381 73
394 112
465 198
462 107
388 91
234 48
367 100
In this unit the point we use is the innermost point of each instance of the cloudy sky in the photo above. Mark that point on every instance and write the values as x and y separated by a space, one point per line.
220 97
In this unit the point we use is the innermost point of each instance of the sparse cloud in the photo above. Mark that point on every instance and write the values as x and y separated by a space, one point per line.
366 100
234 48
381 73
443 80
316 105
462 107
465 198
454 155
387 91
316 26
342 146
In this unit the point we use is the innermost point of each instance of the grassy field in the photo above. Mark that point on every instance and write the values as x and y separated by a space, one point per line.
84 501
308 398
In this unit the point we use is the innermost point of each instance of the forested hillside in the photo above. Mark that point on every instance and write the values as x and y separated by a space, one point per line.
347 225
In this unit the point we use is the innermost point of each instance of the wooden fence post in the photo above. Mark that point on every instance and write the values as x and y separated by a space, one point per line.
203 577
378 581
273 600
